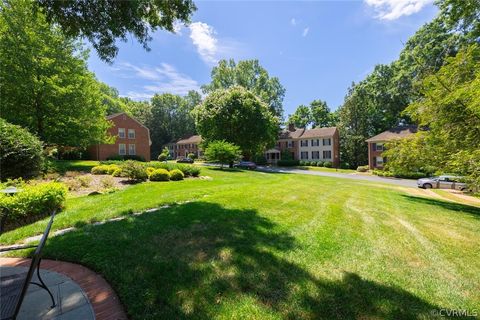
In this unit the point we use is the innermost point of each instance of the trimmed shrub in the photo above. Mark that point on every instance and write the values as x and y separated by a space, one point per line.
288 163
328 164
159 175
320 164
107 183
187 169
34 200
260 160
176 175
362 168
20 152
194 171
84 181
105 169
149 170
117 173
134 171
344 165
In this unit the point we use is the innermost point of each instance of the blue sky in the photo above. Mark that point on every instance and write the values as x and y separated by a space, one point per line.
315 48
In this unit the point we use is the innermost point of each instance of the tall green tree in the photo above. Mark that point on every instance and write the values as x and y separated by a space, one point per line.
238 116
253 77
302 117
103 22
463 16
140 110
45 85
321 115
171 118
317 114
111 99
354 127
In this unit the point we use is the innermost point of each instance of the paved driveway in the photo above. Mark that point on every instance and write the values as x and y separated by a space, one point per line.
354 176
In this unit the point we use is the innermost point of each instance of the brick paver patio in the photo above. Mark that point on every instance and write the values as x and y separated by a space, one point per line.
101 296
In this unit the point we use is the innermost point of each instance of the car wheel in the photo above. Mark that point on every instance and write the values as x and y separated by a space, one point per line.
427 186
463 189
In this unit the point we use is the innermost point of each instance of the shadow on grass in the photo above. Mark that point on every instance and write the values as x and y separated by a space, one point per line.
200 260
445 205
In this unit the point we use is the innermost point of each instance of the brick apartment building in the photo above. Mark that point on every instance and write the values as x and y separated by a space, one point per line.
376 144
131 138
318 144
181 148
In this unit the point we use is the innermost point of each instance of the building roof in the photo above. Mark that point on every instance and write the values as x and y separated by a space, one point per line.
394 133
302 133
190 139
289 134
319 132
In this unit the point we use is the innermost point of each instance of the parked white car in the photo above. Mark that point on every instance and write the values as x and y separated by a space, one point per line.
442 182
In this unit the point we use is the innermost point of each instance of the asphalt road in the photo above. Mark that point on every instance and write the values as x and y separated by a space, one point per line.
353 176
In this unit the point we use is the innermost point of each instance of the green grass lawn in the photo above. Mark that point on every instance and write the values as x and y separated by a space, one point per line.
253 245
73 165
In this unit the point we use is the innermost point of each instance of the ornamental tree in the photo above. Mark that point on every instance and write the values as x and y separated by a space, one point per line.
238 116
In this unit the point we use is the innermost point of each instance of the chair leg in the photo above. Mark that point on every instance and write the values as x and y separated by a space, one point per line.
43 286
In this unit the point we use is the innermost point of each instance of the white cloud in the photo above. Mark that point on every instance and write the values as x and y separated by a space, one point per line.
210 47
203 37
305 31
293 22
394 9
177 28
163 79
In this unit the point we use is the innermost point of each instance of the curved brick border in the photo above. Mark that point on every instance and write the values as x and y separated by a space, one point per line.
104 300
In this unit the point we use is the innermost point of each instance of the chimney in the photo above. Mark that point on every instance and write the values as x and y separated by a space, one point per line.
291 127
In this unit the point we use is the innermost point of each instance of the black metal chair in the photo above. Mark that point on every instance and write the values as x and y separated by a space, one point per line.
13 288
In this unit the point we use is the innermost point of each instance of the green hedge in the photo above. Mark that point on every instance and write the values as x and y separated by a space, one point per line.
20 152
288 163
176 175
159 175
32 200
105 169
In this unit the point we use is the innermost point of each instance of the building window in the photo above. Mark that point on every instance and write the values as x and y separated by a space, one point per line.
289 144
379 161
327 142
315 154
131 133
121 132
304 155
278 144
379 147
315 142
327 154
131 149
122 149
304 143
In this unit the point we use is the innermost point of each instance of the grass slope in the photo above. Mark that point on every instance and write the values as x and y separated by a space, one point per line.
273 246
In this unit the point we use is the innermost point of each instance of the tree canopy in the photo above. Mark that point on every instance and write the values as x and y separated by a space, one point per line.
171 118
317 114
222 152
253 77
44 81
238 116
103 22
